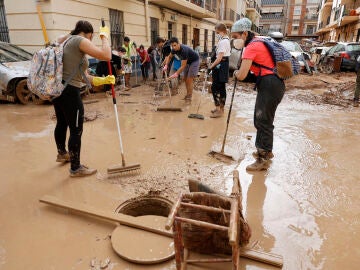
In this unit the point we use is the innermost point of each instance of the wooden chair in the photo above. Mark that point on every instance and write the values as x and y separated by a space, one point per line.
207 223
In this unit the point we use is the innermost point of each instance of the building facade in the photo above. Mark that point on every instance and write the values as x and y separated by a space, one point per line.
192 21
339 20
302 18
273 17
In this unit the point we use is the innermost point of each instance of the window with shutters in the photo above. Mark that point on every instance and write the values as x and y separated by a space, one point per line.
116 27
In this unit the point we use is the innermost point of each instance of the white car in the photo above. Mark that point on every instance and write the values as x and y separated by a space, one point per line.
14 70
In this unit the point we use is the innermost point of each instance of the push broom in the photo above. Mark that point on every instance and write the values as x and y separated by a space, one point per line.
119 169
221 155
171 108
197 115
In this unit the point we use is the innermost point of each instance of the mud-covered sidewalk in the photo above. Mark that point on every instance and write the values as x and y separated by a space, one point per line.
305 207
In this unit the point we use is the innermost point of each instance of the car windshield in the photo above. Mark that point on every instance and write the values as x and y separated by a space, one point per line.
12 53
291 46
353 47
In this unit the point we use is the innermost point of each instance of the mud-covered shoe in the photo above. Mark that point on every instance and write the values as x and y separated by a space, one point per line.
217 114
187 98
63 157
266 155
356 103
82 171
260 164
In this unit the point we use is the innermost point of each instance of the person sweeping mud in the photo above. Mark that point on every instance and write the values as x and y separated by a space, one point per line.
69 108
220 70
190 63
270 91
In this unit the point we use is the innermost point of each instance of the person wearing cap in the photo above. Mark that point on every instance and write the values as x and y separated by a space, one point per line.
270 90
220 70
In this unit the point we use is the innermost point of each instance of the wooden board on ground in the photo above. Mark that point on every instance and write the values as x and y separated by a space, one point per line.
140 246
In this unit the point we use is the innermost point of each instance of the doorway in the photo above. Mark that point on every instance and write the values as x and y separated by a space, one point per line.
196 37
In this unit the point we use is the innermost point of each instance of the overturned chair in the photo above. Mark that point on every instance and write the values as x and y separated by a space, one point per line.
209 224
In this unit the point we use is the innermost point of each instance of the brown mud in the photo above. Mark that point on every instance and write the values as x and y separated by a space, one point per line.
305 207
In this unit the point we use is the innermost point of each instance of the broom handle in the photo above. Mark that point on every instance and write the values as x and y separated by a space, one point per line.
228 117
168 87
115 108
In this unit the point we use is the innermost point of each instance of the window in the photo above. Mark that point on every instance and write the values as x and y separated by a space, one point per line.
213 40
295 27
116 27
184 34
297 10
206 40
170 30
154 29
4 30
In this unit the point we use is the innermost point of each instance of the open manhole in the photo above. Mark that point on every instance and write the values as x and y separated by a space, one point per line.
139 246
145 205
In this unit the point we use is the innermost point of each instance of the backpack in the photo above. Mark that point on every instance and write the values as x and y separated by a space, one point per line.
46 72
285 65
150 49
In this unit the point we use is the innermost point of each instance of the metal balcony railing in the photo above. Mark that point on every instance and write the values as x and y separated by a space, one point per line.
255 6
311 18
206 4
272 16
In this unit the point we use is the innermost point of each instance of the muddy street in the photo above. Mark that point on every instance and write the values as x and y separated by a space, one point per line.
304 208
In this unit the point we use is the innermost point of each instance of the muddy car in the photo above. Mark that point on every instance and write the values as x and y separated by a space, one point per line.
296 51
348 52
14 69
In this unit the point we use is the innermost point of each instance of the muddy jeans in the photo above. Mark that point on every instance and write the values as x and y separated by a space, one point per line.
69 111
270 91
357 87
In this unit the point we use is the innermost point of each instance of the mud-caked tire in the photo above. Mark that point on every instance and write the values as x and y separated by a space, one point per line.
25 96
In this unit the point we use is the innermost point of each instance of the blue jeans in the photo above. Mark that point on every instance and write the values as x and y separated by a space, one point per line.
270 92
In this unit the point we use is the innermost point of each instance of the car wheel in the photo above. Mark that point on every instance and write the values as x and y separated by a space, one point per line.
25 96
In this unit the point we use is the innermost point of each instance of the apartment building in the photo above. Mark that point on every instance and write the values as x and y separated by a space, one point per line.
302 17
192 21
273 17
339 20
253 12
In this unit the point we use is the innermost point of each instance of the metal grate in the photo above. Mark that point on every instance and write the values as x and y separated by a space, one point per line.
4 30
116 27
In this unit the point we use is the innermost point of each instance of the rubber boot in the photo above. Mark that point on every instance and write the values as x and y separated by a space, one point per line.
260 164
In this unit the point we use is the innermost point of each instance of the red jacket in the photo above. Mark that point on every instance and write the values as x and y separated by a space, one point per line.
143 55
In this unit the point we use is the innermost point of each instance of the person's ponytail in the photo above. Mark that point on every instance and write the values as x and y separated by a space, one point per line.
82 26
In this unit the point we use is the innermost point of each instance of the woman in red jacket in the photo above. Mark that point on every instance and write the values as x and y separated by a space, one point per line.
144 62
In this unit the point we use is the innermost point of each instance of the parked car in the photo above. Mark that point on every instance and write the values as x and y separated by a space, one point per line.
296 51
14 69
348 51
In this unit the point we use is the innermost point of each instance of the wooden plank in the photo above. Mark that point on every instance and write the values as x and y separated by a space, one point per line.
268 258
115 217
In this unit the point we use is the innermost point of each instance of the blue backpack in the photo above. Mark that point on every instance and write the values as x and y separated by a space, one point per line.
286 66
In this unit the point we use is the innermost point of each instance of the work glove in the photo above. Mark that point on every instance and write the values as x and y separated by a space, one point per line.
109 79
104 32
165 68
175 75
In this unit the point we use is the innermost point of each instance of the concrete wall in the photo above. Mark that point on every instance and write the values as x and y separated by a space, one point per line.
60 17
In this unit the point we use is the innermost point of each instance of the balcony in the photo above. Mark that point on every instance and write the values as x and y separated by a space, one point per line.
230 16
311 18
349 16
272 17
198 8
253 7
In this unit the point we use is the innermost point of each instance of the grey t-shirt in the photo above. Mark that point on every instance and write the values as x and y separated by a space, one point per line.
71 61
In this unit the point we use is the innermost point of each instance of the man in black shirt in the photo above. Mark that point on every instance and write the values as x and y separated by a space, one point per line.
190 63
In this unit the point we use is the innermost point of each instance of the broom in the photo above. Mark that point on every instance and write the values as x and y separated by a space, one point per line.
197 115
221 155
171 108
118 168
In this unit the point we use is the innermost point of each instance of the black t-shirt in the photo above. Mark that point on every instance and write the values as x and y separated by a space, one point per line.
186 53
166 49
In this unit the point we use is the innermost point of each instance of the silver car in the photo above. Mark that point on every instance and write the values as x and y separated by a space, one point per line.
14 69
